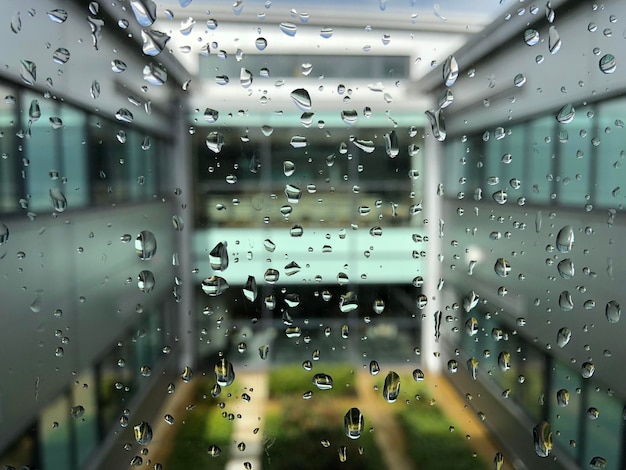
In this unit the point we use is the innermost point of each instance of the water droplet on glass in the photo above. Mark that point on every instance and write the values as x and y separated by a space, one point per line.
145 281
562 397
218 257
565 239
214 451
4 234
326 32
612 311
563 337
502 267
366 145
519 80
56 122
214 285
145 12
296 231
349 116
554 40
77 411
391 144
587 370
353 423
215 142
153 42
58 16
607 63
16 23
379 306
145 245
298 141
391 387
472 367
566 268
250 290
566 114
143 433
597 462
289 29
437 124
224 372
504 361
374 368
531 37
542 437
28 72
154 74
57 198
124 115
565 301
348 302
450 71
260 43
323 381
271 276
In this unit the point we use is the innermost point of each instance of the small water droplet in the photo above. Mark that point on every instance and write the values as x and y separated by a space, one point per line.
435 118
608 64
612 311
562 397
261 44
58 15
28 72
531 37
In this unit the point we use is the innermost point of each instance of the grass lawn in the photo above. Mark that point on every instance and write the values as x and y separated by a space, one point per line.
432 445
203 427
293 436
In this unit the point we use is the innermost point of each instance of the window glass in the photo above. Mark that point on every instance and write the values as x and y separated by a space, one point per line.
540 157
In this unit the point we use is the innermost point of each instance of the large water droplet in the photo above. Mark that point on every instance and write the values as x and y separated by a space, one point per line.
145 12
4 234
470 301
587 370
28 72
298 141
502 267
95 24
301 98
450 71
437 124
323 381
58 16
271 276
504 361
562 397
353 423
471 326
348 302
214 286
143 433
260 43
607 63
563 337
597 462
565 239
366 145
391 144
155 74
374 368
16 23
224 372
472 367
612 311
250 290
289 29
566 114
61 56
542 437
565 301
145 245
215 142
554 40
293 193
391 387
531 37
218 257
566 268
146 281
124 115
153 42
57 198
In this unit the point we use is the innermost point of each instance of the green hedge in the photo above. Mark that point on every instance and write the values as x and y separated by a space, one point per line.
293 438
